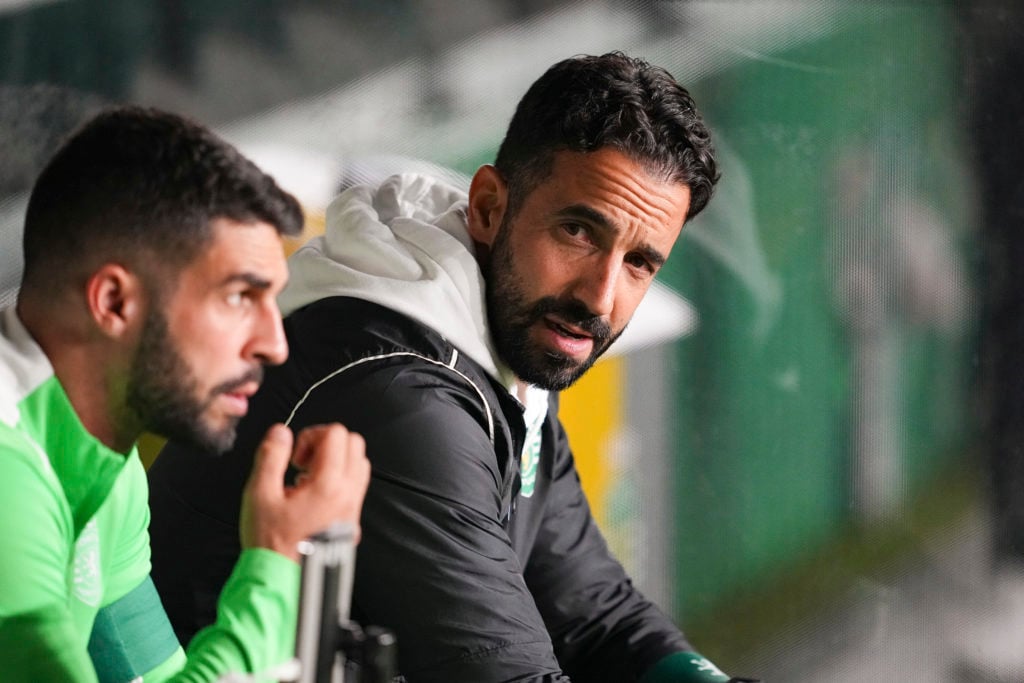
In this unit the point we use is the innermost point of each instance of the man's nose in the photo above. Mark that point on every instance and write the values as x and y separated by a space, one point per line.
596 287
269 344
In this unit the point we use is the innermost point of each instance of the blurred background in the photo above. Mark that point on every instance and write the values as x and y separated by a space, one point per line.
808 449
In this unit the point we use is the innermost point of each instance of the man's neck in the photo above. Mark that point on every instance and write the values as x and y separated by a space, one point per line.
94 386
521 390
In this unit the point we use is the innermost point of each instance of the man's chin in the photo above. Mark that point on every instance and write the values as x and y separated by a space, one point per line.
210 439
543 366
555 372
221 440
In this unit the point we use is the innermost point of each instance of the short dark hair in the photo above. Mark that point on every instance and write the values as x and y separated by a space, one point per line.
587 102
136 181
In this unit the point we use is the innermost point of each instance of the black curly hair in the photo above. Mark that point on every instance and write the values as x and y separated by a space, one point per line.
588 102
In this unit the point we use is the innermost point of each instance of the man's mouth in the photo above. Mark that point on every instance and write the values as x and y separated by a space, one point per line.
238 397
244 390
565 339
565 330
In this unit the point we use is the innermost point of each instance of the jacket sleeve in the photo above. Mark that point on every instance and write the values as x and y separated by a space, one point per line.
253 631
602 626
255 625
131 635
435 563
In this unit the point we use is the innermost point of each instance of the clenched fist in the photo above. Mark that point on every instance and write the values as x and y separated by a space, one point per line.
331 488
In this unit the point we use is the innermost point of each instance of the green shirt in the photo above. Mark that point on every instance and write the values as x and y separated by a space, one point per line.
76 600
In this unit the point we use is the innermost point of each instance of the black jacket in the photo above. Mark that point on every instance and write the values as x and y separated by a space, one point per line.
478 582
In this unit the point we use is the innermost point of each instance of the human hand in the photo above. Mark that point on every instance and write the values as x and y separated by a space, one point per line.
331 488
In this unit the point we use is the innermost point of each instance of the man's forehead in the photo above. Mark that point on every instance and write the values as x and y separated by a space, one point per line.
242 249
613 190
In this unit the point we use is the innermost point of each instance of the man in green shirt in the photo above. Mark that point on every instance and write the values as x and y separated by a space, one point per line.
153 257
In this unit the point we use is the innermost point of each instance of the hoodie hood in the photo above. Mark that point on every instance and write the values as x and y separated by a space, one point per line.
404 245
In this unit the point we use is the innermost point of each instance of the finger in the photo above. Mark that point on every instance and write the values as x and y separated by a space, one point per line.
306 444
326 453
356 483
355 455
320 454
349 450
357 465
271 460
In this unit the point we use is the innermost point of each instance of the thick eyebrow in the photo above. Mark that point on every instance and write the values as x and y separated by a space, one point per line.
251 279
600 221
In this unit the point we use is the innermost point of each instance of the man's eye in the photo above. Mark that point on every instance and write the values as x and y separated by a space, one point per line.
235 299
637 261
573 229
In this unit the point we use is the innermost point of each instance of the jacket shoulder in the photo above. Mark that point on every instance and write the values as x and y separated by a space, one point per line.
339 328
400 383
353 343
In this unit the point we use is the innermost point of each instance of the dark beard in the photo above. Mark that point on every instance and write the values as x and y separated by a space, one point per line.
162 392
510 317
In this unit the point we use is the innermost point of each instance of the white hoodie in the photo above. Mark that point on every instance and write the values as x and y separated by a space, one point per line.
403 245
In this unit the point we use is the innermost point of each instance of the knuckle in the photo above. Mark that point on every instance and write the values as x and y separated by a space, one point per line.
335 429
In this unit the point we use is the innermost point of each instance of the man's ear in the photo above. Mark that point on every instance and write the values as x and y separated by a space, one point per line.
115 298
488 200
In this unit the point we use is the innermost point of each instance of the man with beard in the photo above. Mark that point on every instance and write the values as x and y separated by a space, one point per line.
153 257
441 326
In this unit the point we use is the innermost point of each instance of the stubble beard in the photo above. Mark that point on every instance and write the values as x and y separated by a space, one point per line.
511 317
163 392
